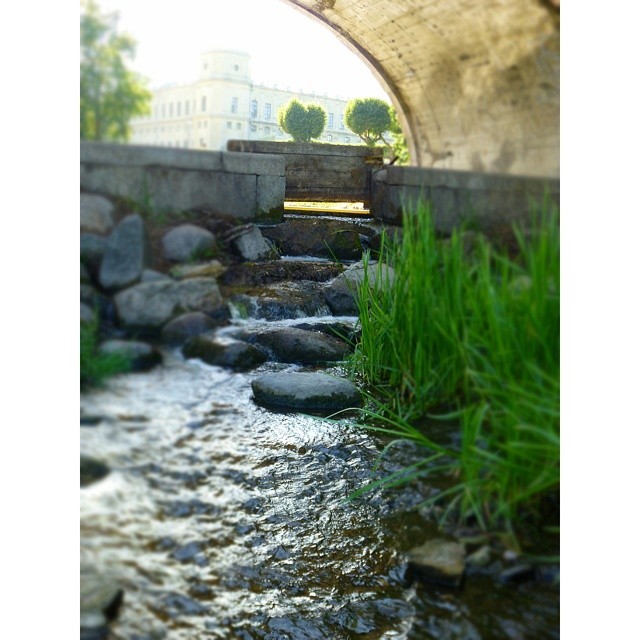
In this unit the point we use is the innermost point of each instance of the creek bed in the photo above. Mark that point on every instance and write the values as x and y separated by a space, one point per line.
221 519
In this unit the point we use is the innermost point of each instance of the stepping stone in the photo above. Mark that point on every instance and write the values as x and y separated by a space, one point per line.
232 355
290 344
439 561
309 392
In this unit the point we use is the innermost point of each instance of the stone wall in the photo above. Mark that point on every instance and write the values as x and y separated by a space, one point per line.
490 200
241 185
321 172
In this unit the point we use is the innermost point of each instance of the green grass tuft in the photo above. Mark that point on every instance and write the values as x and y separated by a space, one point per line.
96 367
476 333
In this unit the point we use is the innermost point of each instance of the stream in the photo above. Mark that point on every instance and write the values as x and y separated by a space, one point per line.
221 519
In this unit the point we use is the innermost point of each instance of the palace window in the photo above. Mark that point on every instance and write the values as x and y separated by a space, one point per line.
267 111
330 125
234 105
254 108
203 103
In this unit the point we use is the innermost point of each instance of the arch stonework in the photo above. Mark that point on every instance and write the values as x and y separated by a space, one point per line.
475 82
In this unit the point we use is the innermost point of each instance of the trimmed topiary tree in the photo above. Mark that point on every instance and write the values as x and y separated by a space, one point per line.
302 122
368 118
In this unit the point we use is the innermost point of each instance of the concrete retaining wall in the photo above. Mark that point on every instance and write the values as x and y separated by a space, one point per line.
490 200
321 172
242 185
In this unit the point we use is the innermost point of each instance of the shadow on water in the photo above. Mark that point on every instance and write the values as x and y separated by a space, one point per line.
221 519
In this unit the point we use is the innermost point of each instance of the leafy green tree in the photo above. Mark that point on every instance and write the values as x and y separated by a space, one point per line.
110 93
399 143
368 118
302 122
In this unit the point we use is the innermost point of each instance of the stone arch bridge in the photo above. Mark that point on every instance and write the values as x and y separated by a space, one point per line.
475 82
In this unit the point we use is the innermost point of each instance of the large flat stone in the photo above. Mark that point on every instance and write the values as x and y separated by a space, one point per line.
307 392
152 304
290 344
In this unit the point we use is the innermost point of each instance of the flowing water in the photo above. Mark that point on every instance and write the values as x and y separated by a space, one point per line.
221 519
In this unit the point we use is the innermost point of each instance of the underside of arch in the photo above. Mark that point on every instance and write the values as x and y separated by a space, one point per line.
475 82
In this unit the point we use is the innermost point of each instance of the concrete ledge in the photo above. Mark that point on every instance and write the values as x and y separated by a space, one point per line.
307 148
489 200
242 185
325 172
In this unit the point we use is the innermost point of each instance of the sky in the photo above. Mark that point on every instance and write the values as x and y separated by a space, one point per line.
287 48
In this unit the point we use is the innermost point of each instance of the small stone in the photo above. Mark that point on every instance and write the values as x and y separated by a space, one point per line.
141 355
96 213
439 561
187 242
91 470
233 355
480 558
341 292
249 242
180 329
211 269
86 313
517 574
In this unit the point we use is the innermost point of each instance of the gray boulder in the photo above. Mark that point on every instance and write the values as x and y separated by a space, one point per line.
92 248
187 242
439 561
233 355
341 292
310 392
250 244
91 470
127 254
188 325
149 275
96 213
86 313
141 355
290 344
150 305
287 300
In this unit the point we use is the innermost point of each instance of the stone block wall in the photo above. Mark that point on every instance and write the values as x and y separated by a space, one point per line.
489 200
321 172
241 185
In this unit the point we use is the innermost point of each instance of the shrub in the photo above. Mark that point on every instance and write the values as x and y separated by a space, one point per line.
368 118
302 122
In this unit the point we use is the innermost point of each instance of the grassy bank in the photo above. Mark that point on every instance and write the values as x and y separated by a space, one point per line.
95 367
473 334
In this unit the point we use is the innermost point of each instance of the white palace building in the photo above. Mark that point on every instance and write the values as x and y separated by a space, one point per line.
225 104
